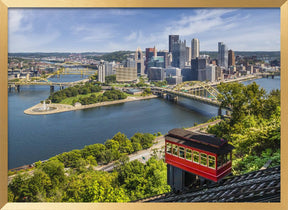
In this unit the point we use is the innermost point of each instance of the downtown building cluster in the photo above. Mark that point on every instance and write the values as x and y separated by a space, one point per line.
179 63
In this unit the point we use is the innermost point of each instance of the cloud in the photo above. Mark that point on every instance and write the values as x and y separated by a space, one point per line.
18 21
201 21
23 36
94 33
187 26
132 36
24 43
120 29
242 31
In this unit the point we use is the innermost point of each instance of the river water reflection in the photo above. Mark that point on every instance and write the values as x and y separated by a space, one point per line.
33 138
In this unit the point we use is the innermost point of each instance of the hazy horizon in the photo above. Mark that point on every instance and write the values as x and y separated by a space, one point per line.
134 51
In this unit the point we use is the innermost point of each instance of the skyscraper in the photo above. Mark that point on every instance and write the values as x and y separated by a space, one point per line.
108 69
179 54
172 39
222 55
150 52
188 56
231 58
198 65
156 74
195 48
101 72
166 57
139 62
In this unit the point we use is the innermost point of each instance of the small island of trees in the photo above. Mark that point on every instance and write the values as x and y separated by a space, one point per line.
89 93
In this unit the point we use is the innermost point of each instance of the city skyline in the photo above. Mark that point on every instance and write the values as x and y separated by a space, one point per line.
107 30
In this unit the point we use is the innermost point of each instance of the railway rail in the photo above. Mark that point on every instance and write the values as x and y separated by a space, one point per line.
257 186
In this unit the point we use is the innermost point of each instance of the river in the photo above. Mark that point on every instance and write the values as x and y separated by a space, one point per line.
32 138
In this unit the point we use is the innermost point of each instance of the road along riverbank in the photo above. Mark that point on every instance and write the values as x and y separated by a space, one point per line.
38 109
158 147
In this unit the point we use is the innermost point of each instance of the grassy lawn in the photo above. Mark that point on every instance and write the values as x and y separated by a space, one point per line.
69 101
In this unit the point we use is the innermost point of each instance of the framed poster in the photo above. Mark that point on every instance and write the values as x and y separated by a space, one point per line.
83 32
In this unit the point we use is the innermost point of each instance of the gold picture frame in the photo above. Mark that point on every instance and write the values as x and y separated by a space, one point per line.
5 4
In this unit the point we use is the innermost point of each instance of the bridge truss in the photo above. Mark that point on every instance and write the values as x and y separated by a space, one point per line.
198 88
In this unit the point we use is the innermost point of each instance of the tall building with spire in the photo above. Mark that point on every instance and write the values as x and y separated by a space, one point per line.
222 55
139 62
195 48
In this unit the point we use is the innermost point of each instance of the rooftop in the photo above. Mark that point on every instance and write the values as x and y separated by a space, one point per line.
199 140
257 186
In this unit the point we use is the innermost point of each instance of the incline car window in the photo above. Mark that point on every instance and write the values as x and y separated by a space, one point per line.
168 148
175 150
181 152
203 159
189 154
211 161
196 157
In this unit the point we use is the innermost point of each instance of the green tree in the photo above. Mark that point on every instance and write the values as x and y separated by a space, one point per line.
20 188
156 173
255 99
55 170
112 150
97 193
125 145
146 140
70 158
40 186
232 96
271 104
91 160
96 150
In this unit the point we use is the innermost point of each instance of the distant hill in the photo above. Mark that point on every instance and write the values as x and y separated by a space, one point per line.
57 54
273 55
119 56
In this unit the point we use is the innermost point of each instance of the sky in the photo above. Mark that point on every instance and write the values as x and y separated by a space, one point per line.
107 30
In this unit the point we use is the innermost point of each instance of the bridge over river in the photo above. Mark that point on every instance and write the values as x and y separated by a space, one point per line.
197 94
173 94
44 82
203 92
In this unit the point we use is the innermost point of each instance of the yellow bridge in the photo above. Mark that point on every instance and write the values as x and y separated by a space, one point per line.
43 81
65 71
195 90
198 88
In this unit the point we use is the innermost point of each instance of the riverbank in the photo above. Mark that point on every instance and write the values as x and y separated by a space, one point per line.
58 108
